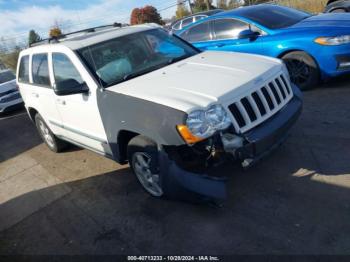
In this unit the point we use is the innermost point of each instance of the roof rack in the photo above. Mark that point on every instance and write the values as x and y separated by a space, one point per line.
88 30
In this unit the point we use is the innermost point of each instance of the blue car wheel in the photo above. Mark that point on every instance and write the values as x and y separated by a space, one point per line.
303 69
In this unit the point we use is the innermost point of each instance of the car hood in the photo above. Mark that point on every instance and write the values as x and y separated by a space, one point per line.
4 87
325 21
201 80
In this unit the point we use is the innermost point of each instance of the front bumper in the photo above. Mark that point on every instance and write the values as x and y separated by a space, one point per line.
332 60
179 183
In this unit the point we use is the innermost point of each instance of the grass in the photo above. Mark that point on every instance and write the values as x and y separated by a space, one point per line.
312 6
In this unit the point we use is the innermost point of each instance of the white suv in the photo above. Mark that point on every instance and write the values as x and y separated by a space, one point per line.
141 96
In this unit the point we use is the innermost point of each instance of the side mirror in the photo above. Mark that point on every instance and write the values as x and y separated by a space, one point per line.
70 87
248 34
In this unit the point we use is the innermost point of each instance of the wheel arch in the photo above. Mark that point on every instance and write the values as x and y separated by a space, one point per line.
337 8
299 50
32 112
123 139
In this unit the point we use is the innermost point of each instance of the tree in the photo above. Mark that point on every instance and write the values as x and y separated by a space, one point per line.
182 11
55 31
222 4
202 5
147 14
33 37
235 3
10 58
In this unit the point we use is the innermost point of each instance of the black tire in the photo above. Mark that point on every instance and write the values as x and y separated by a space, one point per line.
141 147
303 69
338 10
54 144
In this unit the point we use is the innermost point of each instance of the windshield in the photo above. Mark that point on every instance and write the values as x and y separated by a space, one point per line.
6 76
274 17
129 56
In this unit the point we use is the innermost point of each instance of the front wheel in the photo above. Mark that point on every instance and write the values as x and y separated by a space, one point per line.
338 10
303 69
143 160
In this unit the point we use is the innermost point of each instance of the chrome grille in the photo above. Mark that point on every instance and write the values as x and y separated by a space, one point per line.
261 104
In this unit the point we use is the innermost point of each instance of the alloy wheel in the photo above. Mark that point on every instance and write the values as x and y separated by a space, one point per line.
45 132
142 168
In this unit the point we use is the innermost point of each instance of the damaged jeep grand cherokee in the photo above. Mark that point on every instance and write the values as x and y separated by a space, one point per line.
141 96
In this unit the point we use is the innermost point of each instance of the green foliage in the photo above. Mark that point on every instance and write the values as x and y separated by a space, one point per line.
202 5
33 37
222 4
9 59
147 14
182 11
55 31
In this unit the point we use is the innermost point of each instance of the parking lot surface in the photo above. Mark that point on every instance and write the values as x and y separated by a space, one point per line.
294 202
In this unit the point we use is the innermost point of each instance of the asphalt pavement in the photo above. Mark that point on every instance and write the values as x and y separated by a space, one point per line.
294 202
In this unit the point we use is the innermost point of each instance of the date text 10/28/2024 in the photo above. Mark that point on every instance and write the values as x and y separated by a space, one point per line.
173 258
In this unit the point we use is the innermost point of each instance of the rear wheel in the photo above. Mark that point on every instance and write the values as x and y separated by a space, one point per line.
143 160
303 69
54 144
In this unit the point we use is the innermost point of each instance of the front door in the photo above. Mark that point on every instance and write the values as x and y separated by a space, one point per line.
81 118
225 37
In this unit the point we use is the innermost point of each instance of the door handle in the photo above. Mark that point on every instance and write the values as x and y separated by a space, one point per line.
220 45
35 95
61 102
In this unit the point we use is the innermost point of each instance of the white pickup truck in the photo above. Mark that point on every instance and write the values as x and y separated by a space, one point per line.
142 96
10 97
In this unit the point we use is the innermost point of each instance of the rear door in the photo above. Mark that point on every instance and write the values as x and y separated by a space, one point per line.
36 88
42 91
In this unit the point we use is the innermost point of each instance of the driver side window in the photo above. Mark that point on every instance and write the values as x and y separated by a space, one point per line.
64 69
228 28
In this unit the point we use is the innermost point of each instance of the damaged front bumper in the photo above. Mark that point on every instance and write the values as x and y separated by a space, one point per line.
179 182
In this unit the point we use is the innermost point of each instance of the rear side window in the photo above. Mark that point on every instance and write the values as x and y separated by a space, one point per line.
198 33
228 28
64 69
40 70
23 72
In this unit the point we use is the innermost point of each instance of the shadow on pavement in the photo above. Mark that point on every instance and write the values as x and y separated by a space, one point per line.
294 202
268 212
17 133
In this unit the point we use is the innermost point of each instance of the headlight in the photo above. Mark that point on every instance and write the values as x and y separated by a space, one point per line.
337 40
204 123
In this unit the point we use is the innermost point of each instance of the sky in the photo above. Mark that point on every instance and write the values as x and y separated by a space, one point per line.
17 17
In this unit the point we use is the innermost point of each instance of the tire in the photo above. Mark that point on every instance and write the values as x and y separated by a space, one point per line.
338 10
143 161
53 143
303 69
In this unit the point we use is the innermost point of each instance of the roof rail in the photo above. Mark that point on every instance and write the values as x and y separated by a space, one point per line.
88 30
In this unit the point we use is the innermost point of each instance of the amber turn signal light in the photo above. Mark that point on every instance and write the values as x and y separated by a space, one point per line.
187 135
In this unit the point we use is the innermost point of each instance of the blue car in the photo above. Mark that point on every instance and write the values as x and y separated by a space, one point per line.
314 47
